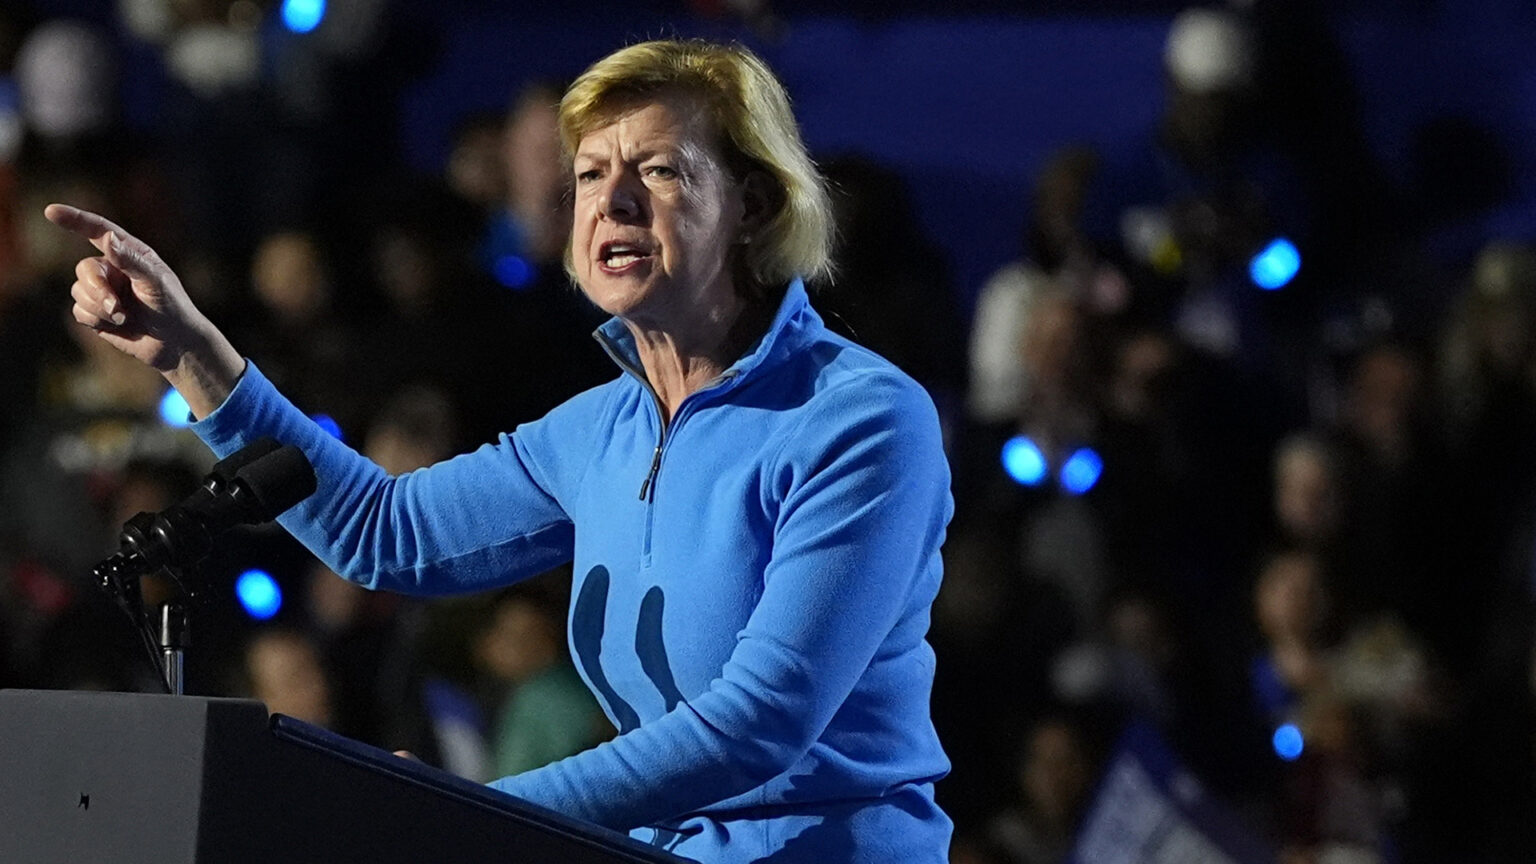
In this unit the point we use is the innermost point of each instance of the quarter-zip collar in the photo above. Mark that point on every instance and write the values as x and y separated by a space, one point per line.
793 324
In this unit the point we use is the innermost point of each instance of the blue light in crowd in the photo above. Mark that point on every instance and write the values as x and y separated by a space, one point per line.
259 594
1275 265
1023 461
1081 471
302 16
174 410
331 427
513 272
1288 742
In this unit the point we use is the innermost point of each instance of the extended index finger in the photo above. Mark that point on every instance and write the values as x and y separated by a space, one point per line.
93 227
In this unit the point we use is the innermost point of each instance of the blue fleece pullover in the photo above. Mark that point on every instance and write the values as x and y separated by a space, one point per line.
752 586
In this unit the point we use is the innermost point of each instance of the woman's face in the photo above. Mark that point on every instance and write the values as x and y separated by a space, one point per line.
656 214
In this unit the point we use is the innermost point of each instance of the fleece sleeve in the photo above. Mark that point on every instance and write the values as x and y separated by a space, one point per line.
473 522
864 498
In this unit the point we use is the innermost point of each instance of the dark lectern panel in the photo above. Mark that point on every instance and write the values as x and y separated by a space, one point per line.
130 778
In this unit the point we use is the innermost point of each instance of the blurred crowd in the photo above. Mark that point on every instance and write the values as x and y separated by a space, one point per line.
1232 452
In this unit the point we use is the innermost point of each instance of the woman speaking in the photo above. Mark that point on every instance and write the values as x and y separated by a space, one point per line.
754 506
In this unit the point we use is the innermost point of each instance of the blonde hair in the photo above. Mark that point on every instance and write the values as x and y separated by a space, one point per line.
757 132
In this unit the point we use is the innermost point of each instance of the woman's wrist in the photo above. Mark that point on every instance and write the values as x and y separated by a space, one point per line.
206 373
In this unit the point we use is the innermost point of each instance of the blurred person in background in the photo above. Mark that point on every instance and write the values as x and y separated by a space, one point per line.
1330 809
1364 695
1131 662
546 712
997 630
532 217
1294 616
283 670
1486 354
474 171
1055 405
523 251
1291 680
1059 257
1055 772
1058 406
63 633
1206 190
697 211
418 426
310 349
71 82
1398 489
366 641
423 331
1309 493
892 289
66 80
1158 471
1382 404
1486 391
1054 539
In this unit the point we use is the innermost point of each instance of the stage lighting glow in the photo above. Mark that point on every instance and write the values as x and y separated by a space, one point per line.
1275 265
1081 470
258 594
331 427
513 272
174 411
1288 742
302 16
1023 461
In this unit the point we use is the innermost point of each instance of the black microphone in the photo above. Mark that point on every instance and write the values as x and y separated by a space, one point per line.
251 486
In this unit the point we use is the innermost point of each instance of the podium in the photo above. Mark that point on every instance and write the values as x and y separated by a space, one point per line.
128 778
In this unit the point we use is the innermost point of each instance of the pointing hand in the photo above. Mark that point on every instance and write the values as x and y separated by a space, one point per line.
138 305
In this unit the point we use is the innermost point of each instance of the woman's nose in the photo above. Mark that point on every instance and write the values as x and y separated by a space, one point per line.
619 200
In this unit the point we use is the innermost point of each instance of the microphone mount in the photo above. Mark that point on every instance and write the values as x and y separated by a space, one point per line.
252 486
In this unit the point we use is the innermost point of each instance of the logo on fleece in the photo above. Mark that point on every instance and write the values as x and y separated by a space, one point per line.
588 622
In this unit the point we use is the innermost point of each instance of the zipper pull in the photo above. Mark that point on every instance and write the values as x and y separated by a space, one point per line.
650 479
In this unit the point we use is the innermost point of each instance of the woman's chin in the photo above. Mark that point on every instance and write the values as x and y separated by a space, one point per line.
620 294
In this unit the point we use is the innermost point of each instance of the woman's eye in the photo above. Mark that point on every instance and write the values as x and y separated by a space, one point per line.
665 172
587 176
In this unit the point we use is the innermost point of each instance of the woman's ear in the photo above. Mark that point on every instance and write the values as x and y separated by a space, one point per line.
761 201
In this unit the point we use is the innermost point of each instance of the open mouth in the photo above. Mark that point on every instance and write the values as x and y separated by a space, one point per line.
615 256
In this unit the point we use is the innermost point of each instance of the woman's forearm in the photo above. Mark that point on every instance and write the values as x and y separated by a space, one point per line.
206 373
